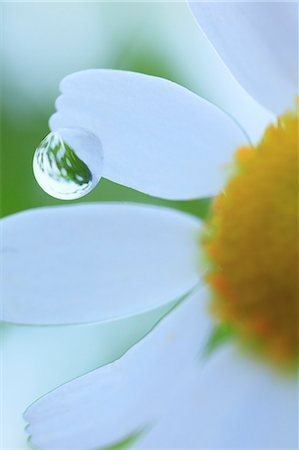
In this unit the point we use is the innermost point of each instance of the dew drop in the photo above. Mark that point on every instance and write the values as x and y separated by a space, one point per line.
68 163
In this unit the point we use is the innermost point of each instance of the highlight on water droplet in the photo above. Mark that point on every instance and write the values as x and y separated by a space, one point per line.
68 163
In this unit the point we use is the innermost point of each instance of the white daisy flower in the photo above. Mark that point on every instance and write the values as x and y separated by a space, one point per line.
113 260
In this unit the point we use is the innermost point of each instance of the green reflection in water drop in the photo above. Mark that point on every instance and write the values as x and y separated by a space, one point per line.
61 171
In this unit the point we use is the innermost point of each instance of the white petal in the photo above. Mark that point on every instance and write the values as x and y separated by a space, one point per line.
126 396
37 359
160 389
157 136
95 262
231 403
259 43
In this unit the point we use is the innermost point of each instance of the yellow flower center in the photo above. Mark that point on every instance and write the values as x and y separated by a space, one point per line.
251 244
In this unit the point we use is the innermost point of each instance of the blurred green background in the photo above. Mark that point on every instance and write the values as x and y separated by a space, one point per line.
41 42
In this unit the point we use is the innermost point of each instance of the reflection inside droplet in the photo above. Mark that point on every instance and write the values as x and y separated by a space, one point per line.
68 163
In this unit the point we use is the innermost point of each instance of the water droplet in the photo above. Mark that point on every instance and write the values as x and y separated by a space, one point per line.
68 163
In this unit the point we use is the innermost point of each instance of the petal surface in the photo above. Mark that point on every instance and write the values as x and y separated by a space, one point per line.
231 403
126 396
164 391
95 262
259 43
158 137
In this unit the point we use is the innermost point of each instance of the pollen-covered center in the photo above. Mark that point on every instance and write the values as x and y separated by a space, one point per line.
251 243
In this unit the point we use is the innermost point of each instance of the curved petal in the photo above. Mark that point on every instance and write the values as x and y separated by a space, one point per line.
126 396
160 394
37 359
95 262
157 136
259 43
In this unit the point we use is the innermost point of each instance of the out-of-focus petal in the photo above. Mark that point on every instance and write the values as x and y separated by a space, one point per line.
163 394
231 403
259 43
127 396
